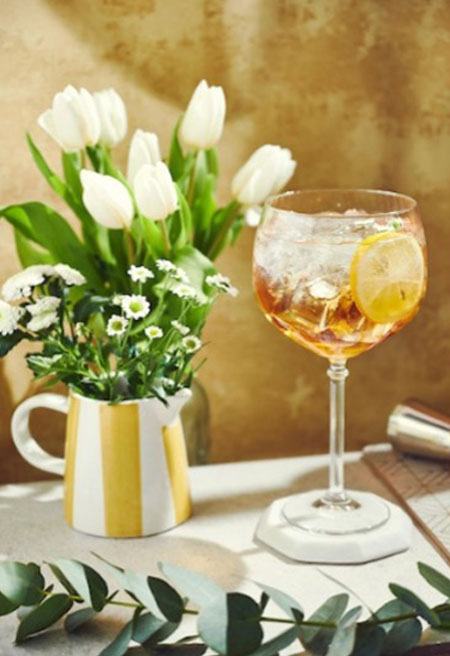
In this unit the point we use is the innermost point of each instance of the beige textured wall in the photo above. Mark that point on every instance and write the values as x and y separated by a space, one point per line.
359 90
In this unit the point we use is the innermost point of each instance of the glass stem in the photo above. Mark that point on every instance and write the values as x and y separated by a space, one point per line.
337 373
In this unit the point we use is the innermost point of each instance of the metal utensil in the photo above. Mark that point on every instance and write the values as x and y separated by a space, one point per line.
414 427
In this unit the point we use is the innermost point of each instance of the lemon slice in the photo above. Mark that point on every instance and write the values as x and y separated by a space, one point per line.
387 276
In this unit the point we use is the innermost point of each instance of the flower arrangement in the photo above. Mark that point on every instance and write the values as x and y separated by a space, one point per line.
120 304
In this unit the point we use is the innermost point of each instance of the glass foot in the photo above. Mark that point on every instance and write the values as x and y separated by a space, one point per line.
352 512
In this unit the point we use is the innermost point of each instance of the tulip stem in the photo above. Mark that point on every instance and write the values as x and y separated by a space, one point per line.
233 211
191 187
165 236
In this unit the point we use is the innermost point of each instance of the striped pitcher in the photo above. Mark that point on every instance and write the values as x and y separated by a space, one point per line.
125 466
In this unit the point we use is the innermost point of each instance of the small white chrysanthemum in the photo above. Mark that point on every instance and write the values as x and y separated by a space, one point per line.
22 283
9 316
117 299
184 330
80 329
135 306
165 265
168 382
42 321
181 275
116 325
191 343
221 283
184 291
44 361
140 273
69 275
153 332
43 305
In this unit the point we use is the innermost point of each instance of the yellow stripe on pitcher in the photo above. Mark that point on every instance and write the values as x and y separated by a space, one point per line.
176 459
70 452
119 427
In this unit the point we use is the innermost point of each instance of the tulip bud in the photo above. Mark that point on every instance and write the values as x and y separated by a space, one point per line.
73 120
107 200
203 120
155 191
144 149
265 173
113 116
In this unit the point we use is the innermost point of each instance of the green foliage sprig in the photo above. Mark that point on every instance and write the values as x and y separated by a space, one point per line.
228 623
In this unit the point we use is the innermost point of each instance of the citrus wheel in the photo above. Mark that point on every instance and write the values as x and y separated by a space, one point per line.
387 276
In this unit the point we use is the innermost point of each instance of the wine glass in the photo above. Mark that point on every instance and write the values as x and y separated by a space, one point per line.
338 271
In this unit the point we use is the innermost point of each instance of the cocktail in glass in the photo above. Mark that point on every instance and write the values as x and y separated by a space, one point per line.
339 271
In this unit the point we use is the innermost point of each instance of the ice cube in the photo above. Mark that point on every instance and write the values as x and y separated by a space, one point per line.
322 289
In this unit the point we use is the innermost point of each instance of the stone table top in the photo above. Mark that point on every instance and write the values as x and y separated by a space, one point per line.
217 540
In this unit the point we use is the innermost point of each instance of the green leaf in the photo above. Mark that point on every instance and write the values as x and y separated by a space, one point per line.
402 637
410 598
318 639
51 231
85 580
196 649
369 640
176 157
21 583
230 624
8 342
283 600
72 165
344 638
7 606
146 626
119 646
79 617
197 267
114 570
212 161
392 608
437 580
29 254
198 588
156 595
18 218
88 305
62 579
278 643
43 616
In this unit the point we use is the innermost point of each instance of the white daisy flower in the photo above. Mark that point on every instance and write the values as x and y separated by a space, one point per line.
165 265
140 273
69 275
153 332
22 283
80 329
117 299
116 325
221 283
168 382
44 361
135 306
9 316
42 321
181 275
43 305
184 291
184 330
191 343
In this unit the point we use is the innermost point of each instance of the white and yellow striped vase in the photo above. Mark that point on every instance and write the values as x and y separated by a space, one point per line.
125 466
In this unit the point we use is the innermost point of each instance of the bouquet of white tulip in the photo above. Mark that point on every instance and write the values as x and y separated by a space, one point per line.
160 211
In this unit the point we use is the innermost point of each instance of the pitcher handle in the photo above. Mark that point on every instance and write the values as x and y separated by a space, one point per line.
25 443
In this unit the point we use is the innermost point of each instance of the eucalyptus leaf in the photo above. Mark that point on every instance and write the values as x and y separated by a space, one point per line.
344 639
283 600
85 580
281 641
195 649
197 587
369 640
79 617
43 616
119 646
318 639
21 583
437 580
146 626
415 602
230 624
7 606
402 637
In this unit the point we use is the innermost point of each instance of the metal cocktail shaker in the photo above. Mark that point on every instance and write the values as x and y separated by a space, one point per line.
416 428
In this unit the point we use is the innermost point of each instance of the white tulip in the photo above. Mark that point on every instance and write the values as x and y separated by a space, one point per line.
144 149
155 191
265 173
203 120
73 121
107 199
113 116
